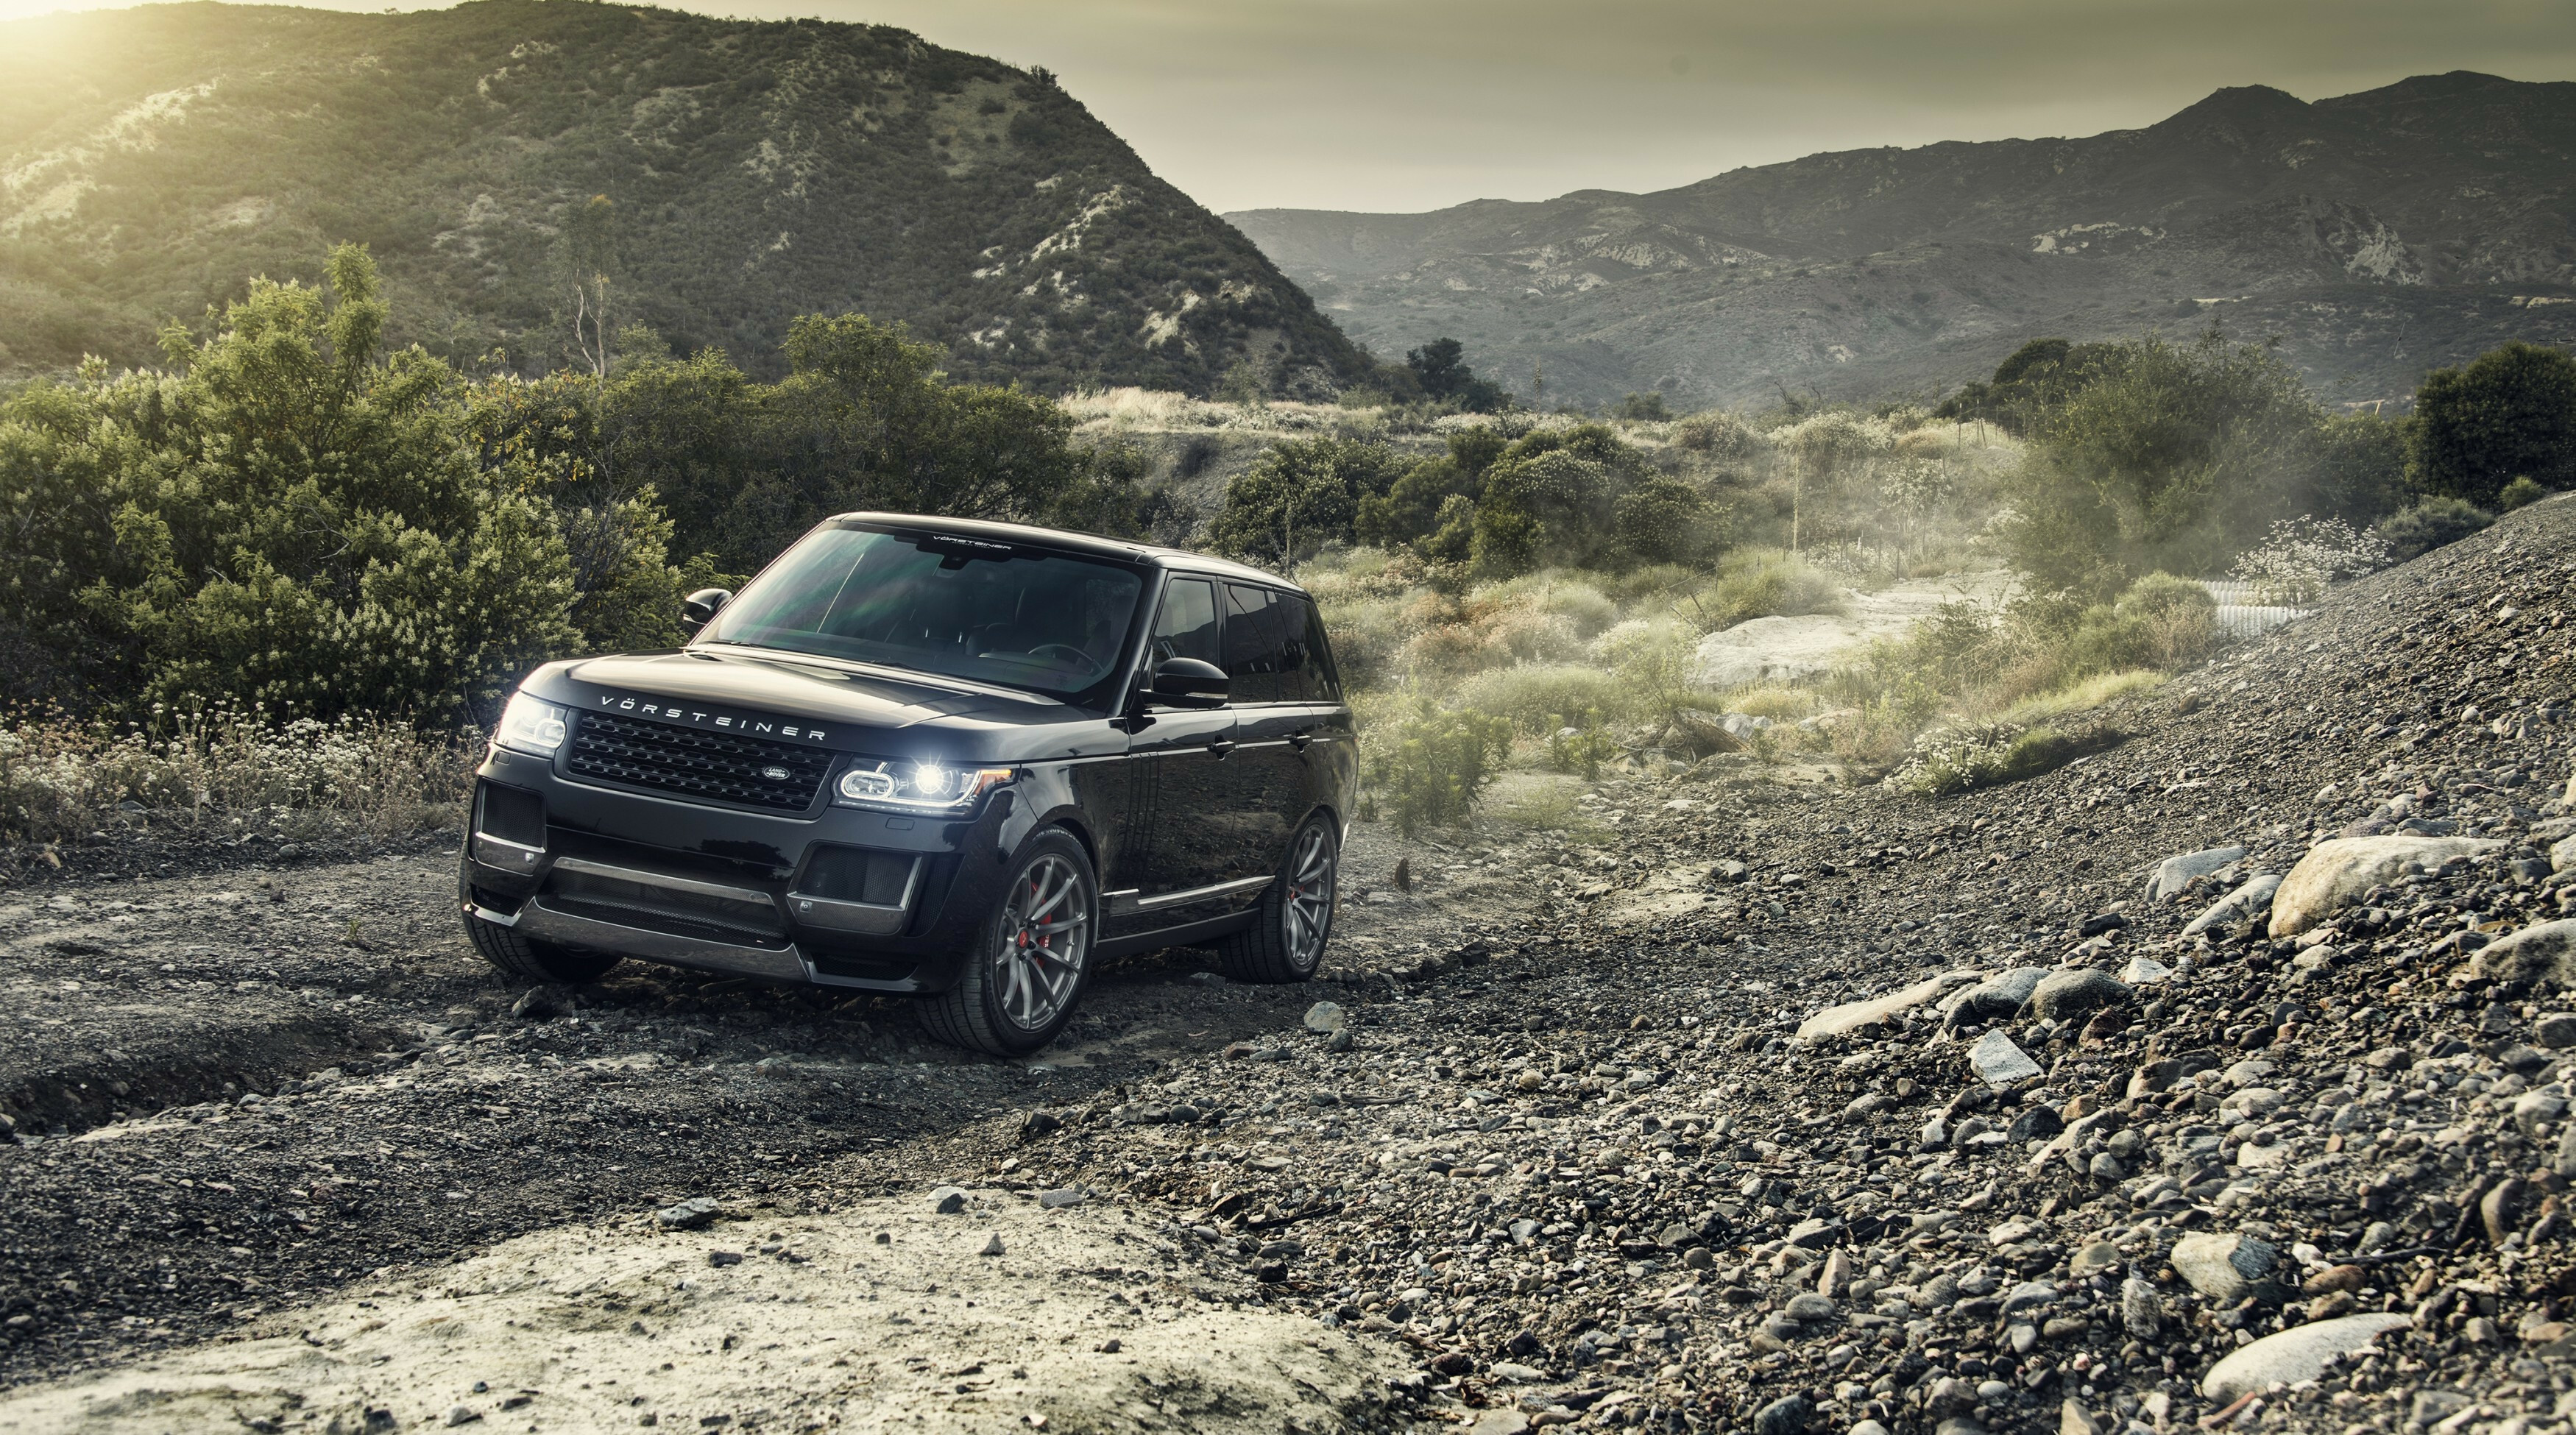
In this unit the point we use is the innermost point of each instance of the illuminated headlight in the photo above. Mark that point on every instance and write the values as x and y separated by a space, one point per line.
927 785
528 725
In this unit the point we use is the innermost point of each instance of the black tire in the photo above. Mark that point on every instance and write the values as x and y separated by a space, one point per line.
531 959
1294 922
1017 988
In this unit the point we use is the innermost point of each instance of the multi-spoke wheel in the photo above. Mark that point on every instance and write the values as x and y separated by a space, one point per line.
1285 942
1029 963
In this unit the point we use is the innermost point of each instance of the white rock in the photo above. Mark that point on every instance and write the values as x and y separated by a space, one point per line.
2335 873
2255 895
2545 951
1851 1016
2175 873
2562 853
2299 1353
1998 1062
1326 1018
2143 970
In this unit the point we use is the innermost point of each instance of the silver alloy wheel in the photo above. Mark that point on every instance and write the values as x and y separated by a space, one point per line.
1046 936
1307 916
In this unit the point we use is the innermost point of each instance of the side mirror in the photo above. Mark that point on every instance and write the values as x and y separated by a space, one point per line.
1190 683
699 608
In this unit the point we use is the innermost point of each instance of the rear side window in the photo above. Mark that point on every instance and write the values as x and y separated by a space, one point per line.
1255 644
1315 679
1186 628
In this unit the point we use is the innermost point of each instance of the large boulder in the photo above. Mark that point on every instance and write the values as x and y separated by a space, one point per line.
2544 953
1993 999
1852 1016
2335 873
2175 873
2254 896
2297 1354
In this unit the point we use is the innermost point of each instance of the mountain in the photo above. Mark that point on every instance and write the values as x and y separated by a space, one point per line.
2377 234
153 160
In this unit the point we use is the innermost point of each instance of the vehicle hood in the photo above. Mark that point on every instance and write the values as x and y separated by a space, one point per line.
856 710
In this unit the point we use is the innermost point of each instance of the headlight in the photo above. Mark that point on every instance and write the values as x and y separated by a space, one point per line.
528 725
921 785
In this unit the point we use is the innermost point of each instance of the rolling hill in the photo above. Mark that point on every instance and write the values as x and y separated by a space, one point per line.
153 160
2377 234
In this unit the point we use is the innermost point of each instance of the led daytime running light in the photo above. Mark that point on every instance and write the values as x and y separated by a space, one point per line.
927 785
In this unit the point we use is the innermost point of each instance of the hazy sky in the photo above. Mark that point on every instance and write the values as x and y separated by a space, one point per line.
1417 104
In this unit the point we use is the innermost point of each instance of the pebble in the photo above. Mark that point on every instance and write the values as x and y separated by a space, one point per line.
1997 1062
1057 1200
2222 1265
992 1245
947 1200
1326 1018
2175 873
1787 1415
692 1214
2060 996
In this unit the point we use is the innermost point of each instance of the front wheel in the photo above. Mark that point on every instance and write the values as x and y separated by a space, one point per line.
527 957
1285 942
1031 959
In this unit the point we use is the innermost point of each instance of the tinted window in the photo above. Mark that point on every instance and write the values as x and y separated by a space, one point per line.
1254 643
1186 628
967 608
1309 676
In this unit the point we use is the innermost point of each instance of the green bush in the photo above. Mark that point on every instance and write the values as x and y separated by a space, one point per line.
1761 583
1435 765
1991 754
2429 525
2519 493
1581 743
1533 697
2510 414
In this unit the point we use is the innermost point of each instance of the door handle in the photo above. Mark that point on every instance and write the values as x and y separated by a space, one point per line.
1220 746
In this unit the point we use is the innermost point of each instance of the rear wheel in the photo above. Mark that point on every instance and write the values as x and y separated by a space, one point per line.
529 958
1031 959
1285 942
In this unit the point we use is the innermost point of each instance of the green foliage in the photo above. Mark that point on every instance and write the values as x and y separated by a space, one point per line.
2162 623
1642 408
1411 508
2519 493
1436 764
1719 435
1956 760
512 163
1440 369
2171 457
2511 414
2429 525
1300 496
1581 743
286 519
1760 583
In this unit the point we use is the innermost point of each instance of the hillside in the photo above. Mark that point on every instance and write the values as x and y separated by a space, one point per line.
2378 233
153 160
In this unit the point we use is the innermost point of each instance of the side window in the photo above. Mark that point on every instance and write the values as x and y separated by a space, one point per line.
1323 681
1186 628
1252 643
1297 682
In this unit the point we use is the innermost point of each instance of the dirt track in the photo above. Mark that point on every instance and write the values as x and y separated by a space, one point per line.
1572 1166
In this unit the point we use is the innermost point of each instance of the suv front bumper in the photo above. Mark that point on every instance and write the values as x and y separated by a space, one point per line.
844 898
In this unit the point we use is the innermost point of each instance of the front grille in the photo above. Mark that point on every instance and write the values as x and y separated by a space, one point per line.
668 910
710 766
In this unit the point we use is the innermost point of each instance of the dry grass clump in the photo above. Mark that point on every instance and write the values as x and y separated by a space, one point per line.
61 779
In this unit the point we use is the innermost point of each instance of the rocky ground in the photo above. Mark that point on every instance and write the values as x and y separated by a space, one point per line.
1754 1106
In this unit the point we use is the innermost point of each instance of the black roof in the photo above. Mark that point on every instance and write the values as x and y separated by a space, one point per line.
1073 542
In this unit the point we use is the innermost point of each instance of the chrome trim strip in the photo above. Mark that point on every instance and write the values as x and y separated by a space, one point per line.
498 919
1189 895
661 879
783 963
873 919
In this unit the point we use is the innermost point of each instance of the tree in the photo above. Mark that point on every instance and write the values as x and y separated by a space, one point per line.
1299 496
284 516
2511 414
1440 367
1410 508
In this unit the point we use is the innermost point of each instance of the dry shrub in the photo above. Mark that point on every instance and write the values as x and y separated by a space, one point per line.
60 778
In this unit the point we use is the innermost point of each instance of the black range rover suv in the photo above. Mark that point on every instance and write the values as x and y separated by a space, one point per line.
960 760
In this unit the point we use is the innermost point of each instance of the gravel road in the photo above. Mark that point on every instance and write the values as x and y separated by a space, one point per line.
1574 1140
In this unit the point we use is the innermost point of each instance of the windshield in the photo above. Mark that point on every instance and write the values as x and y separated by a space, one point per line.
937 603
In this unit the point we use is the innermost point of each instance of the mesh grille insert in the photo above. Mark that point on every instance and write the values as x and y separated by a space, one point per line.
664 909
691 762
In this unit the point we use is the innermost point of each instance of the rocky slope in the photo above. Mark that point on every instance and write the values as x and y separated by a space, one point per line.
154 160
1786 1108
2379 233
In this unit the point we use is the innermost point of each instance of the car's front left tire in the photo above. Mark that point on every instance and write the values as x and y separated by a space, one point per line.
1031 959
531 959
